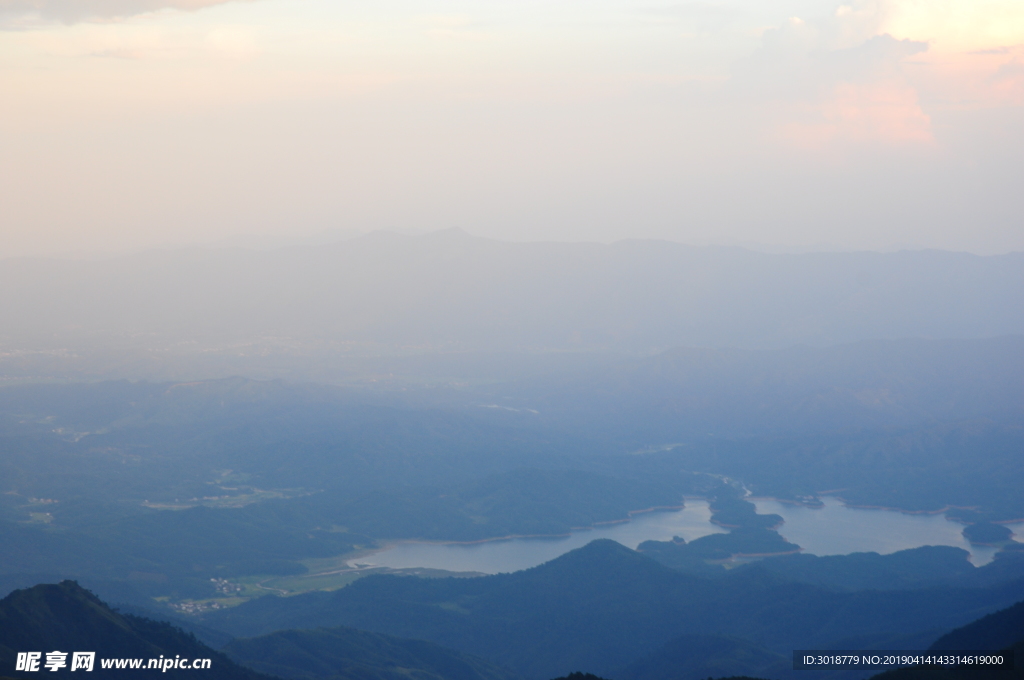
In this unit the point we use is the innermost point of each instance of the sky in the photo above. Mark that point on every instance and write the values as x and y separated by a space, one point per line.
784 125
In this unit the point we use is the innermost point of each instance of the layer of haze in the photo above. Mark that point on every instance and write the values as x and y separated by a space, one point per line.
792 124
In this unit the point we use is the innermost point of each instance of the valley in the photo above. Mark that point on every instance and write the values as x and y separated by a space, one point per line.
537 538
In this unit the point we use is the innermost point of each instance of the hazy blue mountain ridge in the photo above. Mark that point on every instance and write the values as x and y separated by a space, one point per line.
605 606
448 290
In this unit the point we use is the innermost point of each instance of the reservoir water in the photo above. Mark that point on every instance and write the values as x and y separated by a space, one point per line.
834 529
492 557
837 529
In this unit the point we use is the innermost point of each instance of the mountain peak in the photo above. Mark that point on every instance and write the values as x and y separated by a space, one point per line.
601 555
67 617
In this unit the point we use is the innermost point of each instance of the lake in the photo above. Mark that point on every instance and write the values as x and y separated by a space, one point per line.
834 529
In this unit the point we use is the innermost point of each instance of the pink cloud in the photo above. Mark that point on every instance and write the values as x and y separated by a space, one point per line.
859 113
1008 82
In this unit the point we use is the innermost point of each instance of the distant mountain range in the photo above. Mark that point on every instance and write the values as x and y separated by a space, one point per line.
876 383
449 291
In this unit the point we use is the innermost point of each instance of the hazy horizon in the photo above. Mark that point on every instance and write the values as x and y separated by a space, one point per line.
797 124
270 242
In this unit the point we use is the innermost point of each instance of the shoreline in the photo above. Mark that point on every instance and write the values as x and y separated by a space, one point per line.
903 511
807 503
658 508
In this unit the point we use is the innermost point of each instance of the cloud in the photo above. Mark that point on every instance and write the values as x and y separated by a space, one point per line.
835 81
862 113
1009 82
28 13
994 50
958 26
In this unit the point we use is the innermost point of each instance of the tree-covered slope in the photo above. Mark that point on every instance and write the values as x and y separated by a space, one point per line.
998 630
348 654
69 618
695 657
603 606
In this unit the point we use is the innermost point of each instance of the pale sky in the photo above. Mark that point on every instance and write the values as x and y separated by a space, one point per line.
796 124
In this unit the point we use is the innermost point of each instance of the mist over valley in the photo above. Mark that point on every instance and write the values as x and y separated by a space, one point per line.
242 442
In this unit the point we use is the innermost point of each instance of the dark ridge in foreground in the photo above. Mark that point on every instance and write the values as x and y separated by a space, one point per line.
603 606
591 676
67 617
696 657
346 654
998 630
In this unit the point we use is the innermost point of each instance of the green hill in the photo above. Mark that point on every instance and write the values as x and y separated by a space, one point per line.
348 654
998 630
1001 630
603 606
922 567
67 617
696 657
